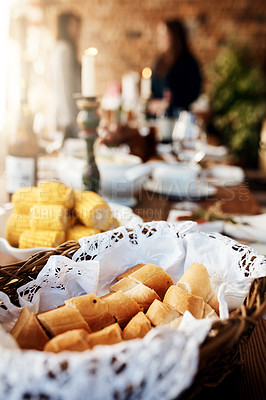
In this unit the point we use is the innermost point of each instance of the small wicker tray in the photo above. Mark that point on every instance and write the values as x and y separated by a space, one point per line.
219 354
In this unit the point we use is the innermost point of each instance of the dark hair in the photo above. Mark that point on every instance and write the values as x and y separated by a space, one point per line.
62 23
62 29
178 35
178 46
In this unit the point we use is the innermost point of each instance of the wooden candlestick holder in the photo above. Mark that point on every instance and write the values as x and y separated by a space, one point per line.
88 121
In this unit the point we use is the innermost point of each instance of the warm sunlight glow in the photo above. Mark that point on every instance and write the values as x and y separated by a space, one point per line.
4 26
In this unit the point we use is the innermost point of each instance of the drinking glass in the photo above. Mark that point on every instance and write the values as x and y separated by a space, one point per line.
189 140
50 140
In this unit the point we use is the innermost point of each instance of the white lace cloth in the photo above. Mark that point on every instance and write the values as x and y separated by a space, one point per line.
161 365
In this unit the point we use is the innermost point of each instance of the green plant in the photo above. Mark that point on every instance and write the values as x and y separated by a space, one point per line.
237 96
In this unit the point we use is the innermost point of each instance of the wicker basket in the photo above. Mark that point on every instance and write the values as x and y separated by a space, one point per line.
219 354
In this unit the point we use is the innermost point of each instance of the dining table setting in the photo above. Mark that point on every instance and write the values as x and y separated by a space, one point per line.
202 184
208 192
132 253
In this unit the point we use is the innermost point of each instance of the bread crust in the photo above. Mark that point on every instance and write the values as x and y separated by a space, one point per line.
62 319
110 335
182 301
209 312
129 271
196 281
214 303
175 323
161 313
142 295
28 332
123 284
154 277
93 310
137 327
121 307
74 340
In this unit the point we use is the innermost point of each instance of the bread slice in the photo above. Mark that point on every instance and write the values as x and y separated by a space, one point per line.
110 335
62 319
129 271
142 295
105 296
182 301
176 322
121 307
196 281
209 312
93 310
74 340
214 303
161 313
154 277
123 285
28 332
137 327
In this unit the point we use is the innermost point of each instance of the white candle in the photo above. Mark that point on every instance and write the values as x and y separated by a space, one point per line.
145 84
88 72
130 90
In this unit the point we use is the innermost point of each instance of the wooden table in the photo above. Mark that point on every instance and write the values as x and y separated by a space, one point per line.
235 200
248 382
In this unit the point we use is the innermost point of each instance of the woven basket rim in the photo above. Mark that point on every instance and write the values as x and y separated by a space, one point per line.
18 273
220 354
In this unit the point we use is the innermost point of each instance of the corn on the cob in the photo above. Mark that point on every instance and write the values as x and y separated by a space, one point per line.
114 223
92 210
16 225
24 198
42 238
52 192
78 231
48 217
71 218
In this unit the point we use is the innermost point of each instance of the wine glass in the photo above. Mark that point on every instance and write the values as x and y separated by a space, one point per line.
50 141
189 140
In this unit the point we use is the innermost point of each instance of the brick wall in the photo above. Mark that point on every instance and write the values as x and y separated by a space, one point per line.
124 30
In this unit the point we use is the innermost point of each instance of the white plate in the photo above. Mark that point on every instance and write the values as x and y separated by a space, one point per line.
124 215
215 153
259 248
225 175
248 227
251 228
123 201
195 191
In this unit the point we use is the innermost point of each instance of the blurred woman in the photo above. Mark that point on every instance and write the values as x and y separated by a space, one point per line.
176 79
66 73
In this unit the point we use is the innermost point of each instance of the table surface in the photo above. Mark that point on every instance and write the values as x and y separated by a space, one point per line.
249 381
236 200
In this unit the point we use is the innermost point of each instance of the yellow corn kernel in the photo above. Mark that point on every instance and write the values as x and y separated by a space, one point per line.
71 218
48 217
52 192
92 210
16 225
31 238
79 231
24 198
